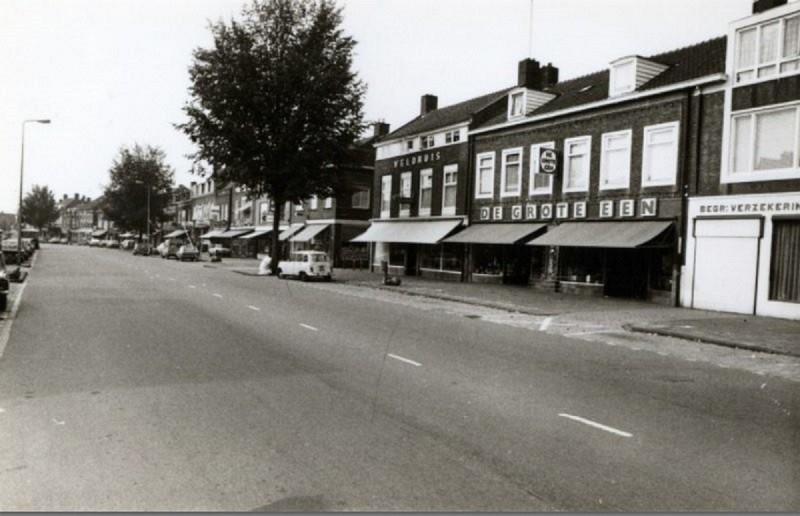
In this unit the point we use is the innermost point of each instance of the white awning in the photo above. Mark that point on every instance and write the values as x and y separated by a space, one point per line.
309 232
617 234
175 234
409 232
232 233
286 233
212 234
255 234
491 233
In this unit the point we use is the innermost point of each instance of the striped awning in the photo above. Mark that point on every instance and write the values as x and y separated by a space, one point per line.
495 233
233 233
255 234
309 232
411 232
286 233
175 234
213 233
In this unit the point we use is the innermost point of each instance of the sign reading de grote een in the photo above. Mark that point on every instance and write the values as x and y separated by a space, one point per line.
625 208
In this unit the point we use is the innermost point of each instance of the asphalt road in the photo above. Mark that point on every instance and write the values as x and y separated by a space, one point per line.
133 383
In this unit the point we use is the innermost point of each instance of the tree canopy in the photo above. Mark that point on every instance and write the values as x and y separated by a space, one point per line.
134 172
39 207
275 104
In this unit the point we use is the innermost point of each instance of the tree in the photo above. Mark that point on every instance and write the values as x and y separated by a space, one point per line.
135 172
39 207
275 104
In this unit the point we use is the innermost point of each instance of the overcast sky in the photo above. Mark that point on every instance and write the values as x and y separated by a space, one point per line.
114 72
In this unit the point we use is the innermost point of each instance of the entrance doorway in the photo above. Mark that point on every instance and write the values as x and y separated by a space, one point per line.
626 273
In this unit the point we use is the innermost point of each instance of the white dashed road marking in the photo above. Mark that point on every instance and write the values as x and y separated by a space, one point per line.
403 359
545 324
596 425
255 308
192 286
218 295
308 327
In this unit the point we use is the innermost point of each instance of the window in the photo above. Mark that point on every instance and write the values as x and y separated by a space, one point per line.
577 154
623 77
784 276
660 154
516 104
449 188
405 191
410 145
427 141
452 136
511 173
360 199
764 144
425 191
539 184
329 202
484 179
314 202
386 196
768 50
615 160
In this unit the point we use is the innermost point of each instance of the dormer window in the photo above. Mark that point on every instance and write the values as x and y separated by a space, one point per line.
627 74
516 104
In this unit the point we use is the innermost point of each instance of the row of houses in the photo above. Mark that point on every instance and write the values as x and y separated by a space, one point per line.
671 177
79 219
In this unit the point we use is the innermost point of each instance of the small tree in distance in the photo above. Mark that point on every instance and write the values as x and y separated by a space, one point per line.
135 172
39 207
275 104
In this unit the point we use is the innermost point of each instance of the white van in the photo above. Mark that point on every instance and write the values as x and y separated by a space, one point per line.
306 265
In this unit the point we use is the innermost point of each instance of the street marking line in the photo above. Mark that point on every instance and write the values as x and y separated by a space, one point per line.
217 295
192 286
5 331
403 359
596 425
587 333
545 324
255 308
172 279
308 327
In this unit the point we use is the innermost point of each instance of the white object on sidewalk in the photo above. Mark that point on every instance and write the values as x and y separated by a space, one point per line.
263 268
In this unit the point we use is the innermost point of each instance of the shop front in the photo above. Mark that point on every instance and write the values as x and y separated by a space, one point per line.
743 255
255 243
313 237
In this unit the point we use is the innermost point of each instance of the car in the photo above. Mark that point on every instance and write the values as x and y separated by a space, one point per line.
142 248
95 242
54 240
169 248
4 285
306 265
112 244
127 244
64 241
187 252
219 250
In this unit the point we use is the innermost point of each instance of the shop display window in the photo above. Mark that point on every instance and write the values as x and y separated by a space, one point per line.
581 264
397 255
487 259
661 270
443 257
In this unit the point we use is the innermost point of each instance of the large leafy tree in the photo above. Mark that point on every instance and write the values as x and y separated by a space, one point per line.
39 207
134 172
275 104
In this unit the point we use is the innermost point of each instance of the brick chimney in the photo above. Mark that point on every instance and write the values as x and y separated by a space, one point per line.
549 75
380 129
531 75
76 197
428 103
759 6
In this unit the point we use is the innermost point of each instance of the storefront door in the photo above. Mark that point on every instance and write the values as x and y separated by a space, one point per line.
411 259
726 264
626 273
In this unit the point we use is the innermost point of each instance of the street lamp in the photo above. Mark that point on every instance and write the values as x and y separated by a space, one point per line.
21 173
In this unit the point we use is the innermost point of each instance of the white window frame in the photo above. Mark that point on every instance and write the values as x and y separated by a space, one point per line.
314 202
777 62
328 202
478 158
452 168
427 142
505 153
604 172
405 209
361 193
534 171
386 180
793 172
453 136
567 157
521 94
646 183
427 172
613 88
410 145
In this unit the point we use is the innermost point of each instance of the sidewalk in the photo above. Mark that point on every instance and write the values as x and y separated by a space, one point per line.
763 334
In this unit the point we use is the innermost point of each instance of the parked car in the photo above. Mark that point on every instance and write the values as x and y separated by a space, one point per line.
114 244
95 242
219 250
127 244
54 240
306 265
64 241
142 248
187 252
4 285
169 248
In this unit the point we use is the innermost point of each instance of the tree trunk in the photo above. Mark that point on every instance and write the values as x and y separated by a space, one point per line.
277 209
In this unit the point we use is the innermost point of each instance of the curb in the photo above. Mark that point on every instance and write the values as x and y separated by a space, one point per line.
707 340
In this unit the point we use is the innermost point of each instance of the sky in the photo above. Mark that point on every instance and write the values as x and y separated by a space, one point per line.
112 73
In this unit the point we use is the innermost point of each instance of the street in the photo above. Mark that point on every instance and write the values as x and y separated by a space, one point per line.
139 384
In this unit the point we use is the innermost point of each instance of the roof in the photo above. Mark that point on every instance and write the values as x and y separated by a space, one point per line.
685 64
446 116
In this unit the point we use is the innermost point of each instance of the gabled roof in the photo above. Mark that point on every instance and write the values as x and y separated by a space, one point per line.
685 64
446 116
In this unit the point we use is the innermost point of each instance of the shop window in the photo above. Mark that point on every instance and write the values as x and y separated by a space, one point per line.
764 144
539 184
661 269
660 154
487 260
386 196
768 50
615 160
397 254
405 191
581 264
360 199
484 189
425 191
511 173
449 188
577 154
441 257
784 276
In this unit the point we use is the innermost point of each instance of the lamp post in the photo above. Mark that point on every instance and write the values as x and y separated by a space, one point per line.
21 174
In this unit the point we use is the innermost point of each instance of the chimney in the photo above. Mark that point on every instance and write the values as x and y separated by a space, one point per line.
380 129
759 6
66 196
76 197
549 75
428 103
528 74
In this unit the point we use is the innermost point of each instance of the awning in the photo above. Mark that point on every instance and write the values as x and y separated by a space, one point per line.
99 233
628 234
419 232
255 234
309 232
212 234
495 233
233 233
286 233
175 234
